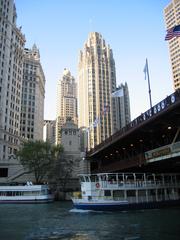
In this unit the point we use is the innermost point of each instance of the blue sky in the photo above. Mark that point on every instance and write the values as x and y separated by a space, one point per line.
133 29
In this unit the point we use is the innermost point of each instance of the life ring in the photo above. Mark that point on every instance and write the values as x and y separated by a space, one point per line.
97 185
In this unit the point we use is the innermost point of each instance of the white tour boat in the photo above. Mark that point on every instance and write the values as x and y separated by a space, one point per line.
28 193
124 191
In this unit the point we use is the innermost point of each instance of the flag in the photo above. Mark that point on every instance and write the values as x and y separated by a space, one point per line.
173 32
87 130
105 110
118 93
146 69
96 122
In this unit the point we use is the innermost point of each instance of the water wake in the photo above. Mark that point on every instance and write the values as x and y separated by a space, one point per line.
74 210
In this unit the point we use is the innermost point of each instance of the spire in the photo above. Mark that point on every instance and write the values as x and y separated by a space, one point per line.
35 51
66 72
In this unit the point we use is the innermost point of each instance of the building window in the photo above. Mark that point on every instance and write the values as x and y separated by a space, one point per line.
3 172
4 148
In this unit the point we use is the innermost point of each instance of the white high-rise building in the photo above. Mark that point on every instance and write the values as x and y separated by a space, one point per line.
66 102
96 82
172 18
11 68
49 131
33 93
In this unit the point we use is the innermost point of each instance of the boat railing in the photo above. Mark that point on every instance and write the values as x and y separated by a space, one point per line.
137 184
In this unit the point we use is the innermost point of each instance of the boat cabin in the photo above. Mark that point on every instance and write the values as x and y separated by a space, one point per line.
131 187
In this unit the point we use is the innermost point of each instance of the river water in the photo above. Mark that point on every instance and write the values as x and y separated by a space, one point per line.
59 221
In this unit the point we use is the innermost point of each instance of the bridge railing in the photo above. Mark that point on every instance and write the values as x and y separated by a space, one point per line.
156 109
175 147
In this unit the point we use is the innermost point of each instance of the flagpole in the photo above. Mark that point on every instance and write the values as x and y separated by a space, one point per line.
149 84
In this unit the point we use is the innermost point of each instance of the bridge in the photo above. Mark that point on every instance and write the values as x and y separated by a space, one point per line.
150 143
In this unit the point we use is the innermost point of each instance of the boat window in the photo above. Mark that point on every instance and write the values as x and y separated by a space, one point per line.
18 193
129 177
103 178
107 193
120 178
174 178
9 193
139 177
167 179
178 192
142 193
160 191
94 178
150 177
86 178
152 192
82 179
49 191
169 191
2 193
112 177
158 178
118 193
30 193
178 178
131 193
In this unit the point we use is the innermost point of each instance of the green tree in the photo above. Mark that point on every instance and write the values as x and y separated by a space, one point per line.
62 176
62 168
39 157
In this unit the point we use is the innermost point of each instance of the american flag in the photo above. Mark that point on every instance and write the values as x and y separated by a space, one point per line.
105 110
173 32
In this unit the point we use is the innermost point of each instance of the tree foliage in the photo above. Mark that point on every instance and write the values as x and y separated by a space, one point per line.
39 157
64 170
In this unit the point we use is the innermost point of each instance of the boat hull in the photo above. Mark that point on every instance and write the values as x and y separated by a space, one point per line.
125 206
27 200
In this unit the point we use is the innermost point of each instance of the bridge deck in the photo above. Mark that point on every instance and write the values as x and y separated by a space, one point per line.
127 149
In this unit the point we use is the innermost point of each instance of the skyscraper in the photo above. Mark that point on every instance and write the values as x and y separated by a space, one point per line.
172 18
33 91
96 82
49 131
66 102
123 107
11 66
